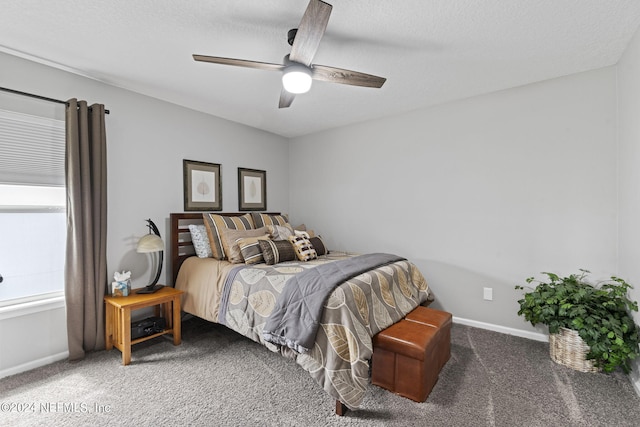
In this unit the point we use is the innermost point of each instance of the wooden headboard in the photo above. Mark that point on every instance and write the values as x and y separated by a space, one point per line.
181 247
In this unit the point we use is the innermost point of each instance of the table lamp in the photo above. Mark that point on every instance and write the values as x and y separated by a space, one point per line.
149 243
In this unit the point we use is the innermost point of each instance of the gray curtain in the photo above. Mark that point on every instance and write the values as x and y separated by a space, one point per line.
86 260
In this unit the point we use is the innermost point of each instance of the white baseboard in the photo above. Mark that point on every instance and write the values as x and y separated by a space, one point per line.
635 375
537 336
34 364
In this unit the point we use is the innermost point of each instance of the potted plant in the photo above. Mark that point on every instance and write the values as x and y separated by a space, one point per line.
598 315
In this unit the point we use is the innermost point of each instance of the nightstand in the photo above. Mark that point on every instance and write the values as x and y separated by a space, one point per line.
118 318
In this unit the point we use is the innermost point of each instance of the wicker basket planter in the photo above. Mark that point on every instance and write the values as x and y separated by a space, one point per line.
567 348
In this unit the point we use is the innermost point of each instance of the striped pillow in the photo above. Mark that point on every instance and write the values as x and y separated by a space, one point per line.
261 219
230 242
217 223
251 250
318 245
277 251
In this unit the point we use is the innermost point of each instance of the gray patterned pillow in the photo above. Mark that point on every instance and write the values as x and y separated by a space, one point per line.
280 232
200 241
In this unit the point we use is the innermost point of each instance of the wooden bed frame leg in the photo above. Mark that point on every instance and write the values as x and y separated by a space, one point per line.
341 408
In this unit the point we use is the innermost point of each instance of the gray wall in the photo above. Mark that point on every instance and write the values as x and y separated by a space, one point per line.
147 140
483 192
629 173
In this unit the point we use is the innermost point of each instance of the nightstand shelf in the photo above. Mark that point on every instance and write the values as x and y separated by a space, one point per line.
148 337
118 318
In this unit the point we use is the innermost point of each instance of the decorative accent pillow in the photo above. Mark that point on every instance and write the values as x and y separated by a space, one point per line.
251 250
280 232
200 240
277 251
303 227
216 223
261 219
230 239
319 246
303 248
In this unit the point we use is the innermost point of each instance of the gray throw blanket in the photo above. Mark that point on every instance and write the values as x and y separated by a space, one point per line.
295 319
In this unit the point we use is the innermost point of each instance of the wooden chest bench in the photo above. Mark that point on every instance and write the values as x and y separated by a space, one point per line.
408 356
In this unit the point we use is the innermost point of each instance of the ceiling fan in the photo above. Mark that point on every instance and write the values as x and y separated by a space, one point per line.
298 71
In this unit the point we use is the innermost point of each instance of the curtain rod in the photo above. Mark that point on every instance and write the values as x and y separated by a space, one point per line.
44 98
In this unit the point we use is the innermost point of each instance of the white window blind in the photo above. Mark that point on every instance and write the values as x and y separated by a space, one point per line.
32 207
32 149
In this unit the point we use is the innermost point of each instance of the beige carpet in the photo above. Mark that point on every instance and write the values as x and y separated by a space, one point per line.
217 377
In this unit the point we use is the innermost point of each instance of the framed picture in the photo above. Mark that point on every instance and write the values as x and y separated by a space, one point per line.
252 190
202 186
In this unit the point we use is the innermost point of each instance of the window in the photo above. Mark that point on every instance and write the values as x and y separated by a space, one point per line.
32 207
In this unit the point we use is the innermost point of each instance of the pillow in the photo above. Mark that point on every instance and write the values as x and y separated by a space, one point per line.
276 251
301 234
303 248
215 223
280 232
319 246
303 227
230 238
251 250
200 240
261 219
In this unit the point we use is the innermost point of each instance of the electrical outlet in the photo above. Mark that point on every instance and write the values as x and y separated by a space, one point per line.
488 294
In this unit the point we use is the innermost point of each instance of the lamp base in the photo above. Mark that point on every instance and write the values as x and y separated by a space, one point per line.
149 290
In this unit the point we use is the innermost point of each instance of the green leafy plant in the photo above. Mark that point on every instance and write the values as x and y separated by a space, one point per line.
601 314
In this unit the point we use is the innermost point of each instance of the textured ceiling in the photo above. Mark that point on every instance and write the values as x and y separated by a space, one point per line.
430 51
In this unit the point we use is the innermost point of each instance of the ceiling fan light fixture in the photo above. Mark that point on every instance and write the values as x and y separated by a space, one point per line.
296 78
297 69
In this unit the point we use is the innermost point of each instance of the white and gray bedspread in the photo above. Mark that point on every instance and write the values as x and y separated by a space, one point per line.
354 312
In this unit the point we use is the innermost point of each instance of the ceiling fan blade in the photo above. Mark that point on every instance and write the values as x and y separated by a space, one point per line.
239 62
310 32
286 98
347 77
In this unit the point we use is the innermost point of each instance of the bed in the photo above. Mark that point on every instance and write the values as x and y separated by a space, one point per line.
245 297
